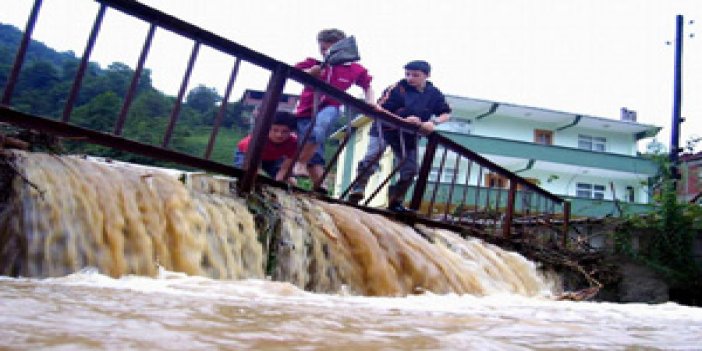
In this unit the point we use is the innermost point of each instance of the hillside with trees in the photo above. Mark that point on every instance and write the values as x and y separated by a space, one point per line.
46 79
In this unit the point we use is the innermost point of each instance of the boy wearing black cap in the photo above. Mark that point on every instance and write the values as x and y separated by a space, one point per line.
416 100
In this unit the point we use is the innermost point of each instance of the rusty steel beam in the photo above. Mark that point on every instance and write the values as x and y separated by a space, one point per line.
187 30
181 93
222 108
335 157
21 52
509 214
302 142
385 182
566 223
488 190
84 61
135 81
454 146
59 128
438 181
453 184
421 184
465 190
259 136
363 172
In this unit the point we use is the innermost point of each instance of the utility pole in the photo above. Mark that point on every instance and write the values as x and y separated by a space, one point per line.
677 101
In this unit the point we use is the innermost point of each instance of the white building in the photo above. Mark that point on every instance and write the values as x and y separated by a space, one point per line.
589 160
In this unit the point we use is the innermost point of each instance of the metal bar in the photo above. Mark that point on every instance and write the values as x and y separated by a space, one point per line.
677 101
135 81
181 94
477 191
363 172
421 184
566 223
59 128
488 191
453 183
187 30
85 60
335 157
465 189
386 181
302 142
222 109
498 198
452 145
21 52
507 223
436 185
350 131
259 136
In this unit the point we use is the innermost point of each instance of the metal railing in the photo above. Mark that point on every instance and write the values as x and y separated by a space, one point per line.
467 201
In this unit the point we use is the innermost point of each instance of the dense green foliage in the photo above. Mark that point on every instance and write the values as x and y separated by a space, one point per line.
666 236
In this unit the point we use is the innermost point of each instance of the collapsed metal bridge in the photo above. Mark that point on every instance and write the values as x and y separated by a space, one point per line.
465 203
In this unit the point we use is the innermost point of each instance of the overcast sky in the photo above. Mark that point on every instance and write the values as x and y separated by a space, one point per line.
588 57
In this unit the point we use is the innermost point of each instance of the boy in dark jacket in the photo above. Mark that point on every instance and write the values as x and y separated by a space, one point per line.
416 100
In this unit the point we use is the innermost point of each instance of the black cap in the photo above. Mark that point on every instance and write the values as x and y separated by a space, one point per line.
285 118
419 65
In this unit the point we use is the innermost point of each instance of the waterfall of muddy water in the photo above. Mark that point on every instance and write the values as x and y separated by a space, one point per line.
67 213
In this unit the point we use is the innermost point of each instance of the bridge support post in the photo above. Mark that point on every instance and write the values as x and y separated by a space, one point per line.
566 222
424 170
509 213
262 126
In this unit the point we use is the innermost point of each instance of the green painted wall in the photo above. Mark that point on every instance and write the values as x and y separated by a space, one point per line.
557 154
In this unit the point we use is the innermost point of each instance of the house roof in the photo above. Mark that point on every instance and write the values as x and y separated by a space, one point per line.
479 109
691 157
258 95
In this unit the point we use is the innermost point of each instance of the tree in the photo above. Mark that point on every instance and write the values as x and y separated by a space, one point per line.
668 232
202 99
655 147
100 113
38 75
691 143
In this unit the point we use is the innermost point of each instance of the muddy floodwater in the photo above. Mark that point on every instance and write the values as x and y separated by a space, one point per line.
90 311
99 255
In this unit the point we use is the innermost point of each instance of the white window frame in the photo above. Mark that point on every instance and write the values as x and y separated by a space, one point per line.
592 143
590 191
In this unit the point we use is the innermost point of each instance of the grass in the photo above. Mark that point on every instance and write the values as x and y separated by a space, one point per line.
223 149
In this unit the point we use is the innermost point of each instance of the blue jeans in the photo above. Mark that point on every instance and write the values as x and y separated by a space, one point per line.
271 168
326 119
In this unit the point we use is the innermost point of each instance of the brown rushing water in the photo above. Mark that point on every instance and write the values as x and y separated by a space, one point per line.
90 311
127 257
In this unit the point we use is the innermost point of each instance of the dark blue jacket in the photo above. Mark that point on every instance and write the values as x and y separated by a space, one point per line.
405 100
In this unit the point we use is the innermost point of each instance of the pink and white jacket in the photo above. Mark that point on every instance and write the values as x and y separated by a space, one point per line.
341 77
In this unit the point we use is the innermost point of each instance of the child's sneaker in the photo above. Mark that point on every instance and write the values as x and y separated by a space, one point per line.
356 196
399 209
